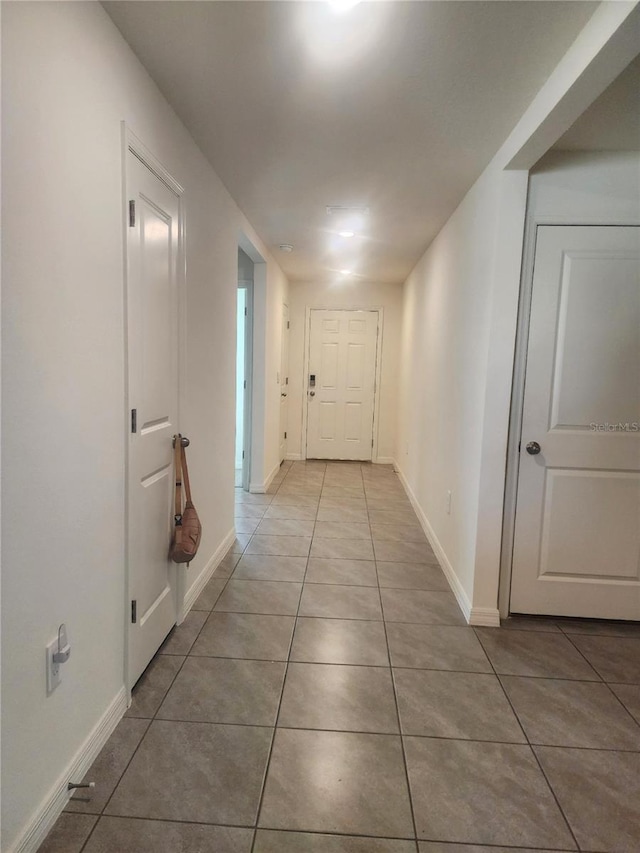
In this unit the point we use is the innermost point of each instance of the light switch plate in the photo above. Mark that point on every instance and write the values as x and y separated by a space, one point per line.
54 676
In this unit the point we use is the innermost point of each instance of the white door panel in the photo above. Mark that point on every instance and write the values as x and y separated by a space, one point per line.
340 406
577 532
152 304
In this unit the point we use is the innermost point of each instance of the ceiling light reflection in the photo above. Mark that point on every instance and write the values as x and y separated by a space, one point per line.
339 40
342 6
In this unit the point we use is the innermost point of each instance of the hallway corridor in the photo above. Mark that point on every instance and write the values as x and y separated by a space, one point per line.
398 728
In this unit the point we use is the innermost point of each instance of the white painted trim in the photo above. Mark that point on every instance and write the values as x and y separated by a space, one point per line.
305 372
55 801
485 617
515 417
259 383
247 405
384 460
375 426
261 488
378 372
447 568
205 575
293 457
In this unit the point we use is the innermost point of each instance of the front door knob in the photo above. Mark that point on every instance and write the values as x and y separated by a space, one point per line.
533 448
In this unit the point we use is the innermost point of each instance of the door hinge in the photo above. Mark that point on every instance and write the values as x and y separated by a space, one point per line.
245 383
134 611
132 213
243 454
285 435
134 420
519 446
371 442
245 311
286 381
288 324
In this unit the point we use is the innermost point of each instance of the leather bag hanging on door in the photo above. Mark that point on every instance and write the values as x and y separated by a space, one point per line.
187 530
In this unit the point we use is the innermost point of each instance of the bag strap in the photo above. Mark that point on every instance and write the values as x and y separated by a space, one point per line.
185 474
178 451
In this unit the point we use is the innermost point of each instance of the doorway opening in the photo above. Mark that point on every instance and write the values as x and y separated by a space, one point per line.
244 354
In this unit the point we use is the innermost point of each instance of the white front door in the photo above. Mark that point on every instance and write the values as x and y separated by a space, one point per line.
577 532
152 326
341 384
284 382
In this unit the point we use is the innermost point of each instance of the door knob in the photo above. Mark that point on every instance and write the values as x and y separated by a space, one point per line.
312 393
283 395
533 448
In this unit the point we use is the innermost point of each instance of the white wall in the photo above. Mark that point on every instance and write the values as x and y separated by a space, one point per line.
586 187
69 79
458 343
348 294
460 321
448 308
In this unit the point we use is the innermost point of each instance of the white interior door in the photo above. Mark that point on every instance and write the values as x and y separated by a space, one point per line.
341 384
577 532
152 296
284 382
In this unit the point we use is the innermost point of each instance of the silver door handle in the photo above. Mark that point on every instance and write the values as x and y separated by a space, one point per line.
533 448
283 395
312 393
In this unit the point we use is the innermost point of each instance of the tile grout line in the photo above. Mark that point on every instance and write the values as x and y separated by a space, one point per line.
277 715
531 749
395 697
152 719
613 693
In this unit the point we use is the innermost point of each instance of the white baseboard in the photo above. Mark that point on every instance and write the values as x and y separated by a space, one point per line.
261 488
293 457
488 617
384 460
205 575
456 587
55 801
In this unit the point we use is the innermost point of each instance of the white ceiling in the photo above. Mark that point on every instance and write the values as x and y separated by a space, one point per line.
397 106
612 122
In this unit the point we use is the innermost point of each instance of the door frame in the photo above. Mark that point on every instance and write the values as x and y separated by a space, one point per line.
532 222
284 368
132 144
247 406
378 373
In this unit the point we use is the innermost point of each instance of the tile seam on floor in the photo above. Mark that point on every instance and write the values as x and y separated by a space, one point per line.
604 681
397 707
151 719
282 689
532 750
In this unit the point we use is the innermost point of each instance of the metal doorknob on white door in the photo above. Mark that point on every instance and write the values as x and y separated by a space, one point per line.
312 393
283 395
533 448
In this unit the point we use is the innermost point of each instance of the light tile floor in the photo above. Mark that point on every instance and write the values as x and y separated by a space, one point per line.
326 695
